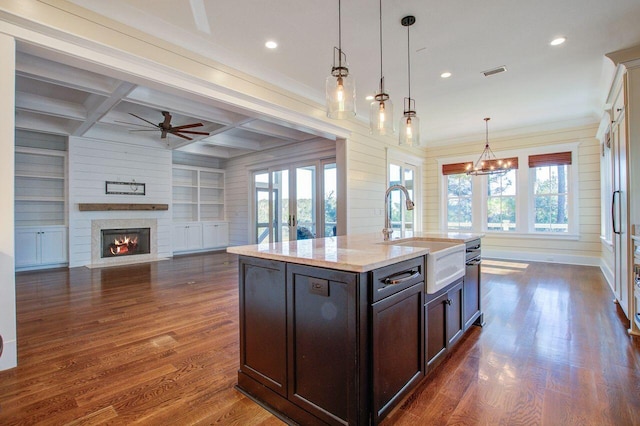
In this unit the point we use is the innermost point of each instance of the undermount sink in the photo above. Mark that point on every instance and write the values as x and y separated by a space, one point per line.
445 262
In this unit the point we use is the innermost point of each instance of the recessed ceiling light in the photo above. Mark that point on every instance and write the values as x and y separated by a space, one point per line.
445 75
558 41
369 97
271 44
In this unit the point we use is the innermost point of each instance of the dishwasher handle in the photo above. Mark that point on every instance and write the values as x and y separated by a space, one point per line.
401 277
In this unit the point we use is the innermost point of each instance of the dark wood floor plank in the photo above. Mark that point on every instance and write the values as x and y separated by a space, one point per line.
158 343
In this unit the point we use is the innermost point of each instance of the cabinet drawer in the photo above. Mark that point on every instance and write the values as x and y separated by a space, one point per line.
394 278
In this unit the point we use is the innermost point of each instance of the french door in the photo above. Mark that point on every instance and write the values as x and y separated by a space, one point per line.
296 202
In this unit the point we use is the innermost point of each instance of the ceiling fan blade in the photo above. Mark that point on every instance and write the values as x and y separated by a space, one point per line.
143 130
143 119
166 124
190 132
187 126
182 136
134 124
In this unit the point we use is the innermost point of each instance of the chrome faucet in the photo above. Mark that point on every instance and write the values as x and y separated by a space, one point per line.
387 231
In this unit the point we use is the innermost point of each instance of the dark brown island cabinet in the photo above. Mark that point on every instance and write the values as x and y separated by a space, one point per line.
321 346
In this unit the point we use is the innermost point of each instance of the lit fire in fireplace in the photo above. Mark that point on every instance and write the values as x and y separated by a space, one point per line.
124 245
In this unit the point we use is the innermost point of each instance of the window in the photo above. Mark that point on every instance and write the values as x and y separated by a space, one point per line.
501 202
550 190
540 199
459 202
550 193
402 171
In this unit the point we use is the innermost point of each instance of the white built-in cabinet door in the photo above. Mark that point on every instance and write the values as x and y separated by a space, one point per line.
215 234
35 246
27 246
187 236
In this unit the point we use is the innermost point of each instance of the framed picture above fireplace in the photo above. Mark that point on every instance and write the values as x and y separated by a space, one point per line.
125 188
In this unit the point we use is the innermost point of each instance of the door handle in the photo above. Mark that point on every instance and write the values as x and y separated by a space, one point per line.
394 280
613 216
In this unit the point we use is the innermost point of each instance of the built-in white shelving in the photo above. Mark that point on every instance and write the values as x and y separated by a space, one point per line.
198 209
40 208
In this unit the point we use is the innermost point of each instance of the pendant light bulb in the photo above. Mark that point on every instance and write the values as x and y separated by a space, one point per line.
409 134
381 109
340 87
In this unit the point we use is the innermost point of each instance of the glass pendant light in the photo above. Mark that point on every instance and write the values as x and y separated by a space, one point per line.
409 132
381 109
340 87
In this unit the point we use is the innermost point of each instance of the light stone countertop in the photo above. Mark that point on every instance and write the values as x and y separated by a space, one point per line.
353 253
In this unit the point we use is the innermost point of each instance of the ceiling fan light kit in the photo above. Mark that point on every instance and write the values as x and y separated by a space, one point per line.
340 87
409 134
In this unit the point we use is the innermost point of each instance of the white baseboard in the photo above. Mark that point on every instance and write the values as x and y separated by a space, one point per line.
607 272
542 257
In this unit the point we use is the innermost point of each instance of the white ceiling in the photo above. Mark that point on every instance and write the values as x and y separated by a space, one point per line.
544 86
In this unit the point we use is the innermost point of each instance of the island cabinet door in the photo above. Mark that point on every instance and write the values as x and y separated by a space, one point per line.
323 363
436 334
455 321
397 347
472 293
263 322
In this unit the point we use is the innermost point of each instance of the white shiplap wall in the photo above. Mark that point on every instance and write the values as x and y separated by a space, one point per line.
585 250
91 163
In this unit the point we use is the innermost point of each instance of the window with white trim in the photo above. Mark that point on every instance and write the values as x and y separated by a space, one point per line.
501 202
459 202
540 199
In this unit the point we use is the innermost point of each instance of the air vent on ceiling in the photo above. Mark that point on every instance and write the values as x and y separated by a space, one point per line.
494 71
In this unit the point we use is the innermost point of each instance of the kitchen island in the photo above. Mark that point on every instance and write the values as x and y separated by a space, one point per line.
338 330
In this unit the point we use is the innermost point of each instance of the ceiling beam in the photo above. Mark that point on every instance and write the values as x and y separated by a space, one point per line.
48 106
62 75
101 106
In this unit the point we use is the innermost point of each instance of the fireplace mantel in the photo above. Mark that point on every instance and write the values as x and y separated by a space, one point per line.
101 207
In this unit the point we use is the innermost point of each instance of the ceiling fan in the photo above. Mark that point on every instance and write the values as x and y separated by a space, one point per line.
166 128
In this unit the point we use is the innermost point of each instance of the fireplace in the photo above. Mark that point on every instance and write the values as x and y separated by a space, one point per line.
145 247
125 242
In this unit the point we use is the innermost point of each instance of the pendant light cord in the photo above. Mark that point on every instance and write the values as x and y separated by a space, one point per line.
409 63
486 126
339 35
381 78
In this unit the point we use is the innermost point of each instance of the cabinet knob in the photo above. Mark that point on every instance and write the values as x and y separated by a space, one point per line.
618 109
448 302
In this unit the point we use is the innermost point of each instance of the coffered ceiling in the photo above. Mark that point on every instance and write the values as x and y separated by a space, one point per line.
58 98
544 86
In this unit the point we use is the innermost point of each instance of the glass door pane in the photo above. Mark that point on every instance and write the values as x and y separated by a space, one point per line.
287 203
409 183
281 206
330 200
401 218
263 229
305 190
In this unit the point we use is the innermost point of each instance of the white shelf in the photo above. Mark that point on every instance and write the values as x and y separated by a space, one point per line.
40 187
198 194
41 199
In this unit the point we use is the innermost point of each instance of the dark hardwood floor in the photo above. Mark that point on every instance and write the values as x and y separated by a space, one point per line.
158 344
